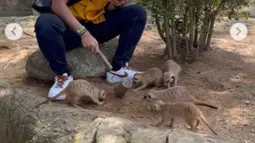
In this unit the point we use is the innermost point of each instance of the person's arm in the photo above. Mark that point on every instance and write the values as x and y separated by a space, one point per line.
60 8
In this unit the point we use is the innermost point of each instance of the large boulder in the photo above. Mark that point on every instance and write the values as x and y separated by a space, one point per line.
58 123
81 61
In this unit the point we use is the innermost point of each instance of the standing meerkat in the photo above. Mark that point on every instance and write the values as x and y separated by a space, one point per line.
184 110
173 94
171 72
79 89
152 76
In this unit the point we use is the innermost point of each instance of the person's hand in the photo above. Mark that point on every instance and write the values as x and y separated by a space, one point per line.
117 2
88 41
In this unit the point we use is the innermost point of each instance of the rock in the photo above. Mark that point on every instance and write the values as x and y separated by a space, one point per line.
114 130
81 61
149 135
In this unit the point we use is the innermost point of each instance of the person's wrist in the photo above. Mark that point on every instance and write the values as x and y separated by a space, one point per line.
81 31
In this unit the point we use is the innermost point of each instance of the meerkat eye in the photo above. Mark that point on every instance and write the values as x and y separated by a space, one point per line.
149 97
145 97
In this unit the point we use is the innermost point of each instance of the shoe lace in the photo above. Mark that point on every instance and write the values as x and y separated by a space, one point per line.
60 80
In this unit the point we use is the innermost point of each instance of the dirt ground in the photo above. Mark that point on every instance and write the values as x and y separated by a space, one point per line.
224 76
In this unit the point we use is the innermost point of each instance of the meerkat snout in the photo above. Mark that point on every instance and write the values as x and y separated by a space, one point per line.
135 79
172 78
147 97
102 96
157 106
172 81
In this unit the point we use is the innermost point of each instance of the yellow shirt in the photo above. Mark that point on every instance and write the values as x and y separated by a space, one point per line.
90 10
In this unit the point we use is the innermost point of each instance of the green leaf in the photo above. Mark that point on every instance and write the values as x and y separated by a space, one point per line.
216 2
245 15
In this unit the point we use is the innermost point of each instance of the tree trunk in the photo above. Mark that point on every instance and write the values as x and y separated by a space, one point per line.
196 27
167 28
173 37
203 34
185 20
168 40
210 32
160 32
191 32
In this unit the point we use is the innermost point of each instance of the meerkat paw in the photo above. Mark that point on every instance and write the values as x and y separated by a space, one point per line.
152 125
100 103
170 125
194 129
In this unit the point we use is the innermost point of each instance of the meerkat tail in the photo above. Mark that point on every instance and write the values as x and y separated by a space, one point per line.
53 98
105 60
202 117
37 105
205 104
76 106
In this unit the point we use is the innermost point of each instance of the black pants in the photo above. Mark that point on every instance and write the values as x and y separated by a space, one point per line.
55 38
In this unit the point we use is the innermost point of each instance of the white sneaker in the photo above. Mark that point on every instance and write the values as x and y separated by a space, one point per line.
60 84
120 75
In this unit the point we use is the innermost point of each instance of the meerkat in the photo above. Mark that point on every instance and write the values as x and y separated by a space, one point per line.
171 72
122 88
79 89
185 110
152 76
173 94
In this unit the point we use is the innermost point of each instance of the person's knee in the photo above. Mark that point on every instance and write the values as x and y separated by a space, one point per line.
48 24
138 12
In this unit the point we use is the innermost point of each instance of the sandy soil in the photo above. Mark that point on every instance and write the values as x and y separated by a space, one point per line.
224 76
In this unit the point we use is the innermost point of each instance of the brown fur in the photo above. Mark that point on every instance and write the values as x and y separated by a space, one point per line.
173 94
171 72
79 89
152 76
122 88
185 110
